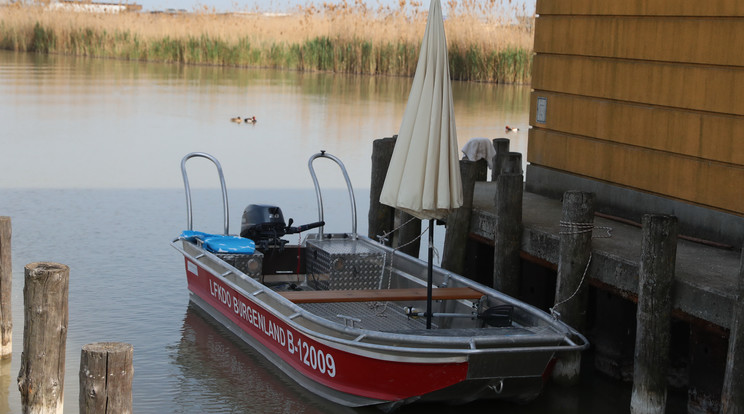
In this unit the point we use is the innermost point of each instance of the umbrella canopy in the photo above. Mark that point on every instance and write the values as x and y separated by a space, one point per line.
424 174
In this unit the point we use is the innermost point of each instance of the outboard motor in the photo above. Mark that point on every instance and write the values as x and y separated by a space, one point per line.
264 224
261 222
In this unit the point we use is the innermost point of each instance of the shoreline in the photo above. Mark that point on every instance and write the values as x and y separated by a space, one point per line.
344 42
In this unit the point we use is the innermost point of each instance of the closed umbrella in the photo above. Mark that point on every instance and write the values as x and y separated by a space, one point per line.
423 178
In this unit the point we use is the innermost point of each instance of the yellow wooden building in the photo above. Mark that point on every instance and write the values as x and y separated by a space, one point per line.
642 102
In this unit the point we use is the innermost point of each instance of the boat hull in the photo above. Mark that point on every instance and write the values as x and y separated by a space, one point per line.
344 315
357 376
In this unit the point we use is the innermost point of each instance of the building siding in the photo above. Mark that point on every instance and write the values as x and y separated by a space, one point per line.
645 95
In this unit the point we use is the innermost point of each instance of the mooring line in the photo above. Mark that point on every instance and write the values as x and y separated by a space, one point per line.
553 311
579 228
392 258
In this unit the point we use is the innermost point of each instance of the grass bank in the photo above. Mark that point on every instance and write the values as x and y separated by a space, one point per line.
484 44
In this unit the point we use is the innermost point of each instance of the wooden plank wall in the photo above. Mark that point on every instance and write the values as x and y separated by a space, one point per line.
643 94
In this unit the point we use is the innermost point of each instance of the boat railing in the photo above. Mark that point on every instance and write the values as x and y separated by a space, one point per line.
187 187
323 154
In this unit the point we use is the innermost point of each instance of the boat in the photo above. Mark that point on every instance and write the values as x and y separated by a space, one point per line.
344 315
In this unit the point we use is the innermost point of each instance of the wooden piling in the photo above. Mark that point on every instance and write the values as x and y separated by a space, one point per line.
381 217
732 398
501 145
511 163
458 221
574 254
653 332
706 367
508 232
106 373
42 375
6 279
577 221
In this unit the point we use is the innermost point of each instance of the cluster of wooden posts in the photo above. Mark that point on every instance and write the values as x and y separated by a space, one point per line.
657 267
106 369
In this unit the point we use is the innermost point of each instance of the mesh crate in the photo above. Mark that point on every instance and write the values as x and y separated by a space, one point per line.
348 264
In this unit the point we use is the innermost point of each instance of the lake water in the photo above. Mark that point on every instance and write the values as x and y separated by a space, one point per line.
89 174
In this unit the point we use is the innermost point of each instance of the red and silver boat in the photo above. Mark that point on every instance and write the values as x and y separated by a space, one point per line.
344 315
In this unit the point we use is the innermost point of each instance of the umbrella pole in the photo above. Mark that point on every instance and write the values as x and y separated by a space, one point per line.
430 282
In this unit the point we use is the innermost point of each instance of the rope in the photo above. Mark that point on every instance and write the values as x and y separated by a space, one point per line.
553 311
579 228
384 237
392 258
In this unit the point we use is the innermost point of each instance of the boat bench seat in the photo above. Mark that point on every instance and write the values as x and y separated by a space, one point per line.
379 295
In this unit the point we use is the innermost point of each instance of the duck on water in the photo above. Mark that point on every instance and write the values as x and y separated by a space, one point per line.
239 120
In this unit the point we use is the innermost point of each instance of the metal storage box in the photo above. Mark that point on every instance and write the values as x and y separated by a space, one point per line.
347 264
250 264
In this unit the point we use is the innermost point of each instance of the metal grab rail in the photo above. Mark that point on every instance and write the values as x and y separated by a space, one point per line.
323 154
188 188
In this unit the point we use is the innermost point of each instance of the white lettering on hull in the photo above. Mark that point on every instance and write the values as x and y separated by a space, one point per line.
316 359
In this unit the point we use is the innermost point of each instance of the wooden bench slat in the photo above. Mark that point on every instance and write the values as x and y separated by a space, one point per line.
381 295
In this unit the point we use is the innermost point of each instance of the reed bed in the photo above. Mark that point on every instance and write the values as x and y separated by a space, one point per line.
487 40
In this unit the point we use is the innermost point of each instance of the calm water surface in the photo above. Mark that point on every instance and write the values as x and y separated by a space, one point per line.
89 174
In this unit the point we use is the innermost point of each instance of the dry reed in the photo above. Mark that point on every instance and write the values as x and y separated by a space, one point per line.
486 41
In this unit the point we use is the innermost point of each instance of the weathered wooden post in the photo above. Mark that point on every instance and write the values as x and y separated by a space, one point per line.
508 233
501 145
732 398
380 216
6 279
653 332
42 376
383 219
574 256
458 221
106 373
512 163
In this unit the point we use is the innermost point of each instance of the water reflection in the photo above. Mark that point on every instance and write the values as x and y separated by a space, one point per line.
89 174
5 384
220 374
74 122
